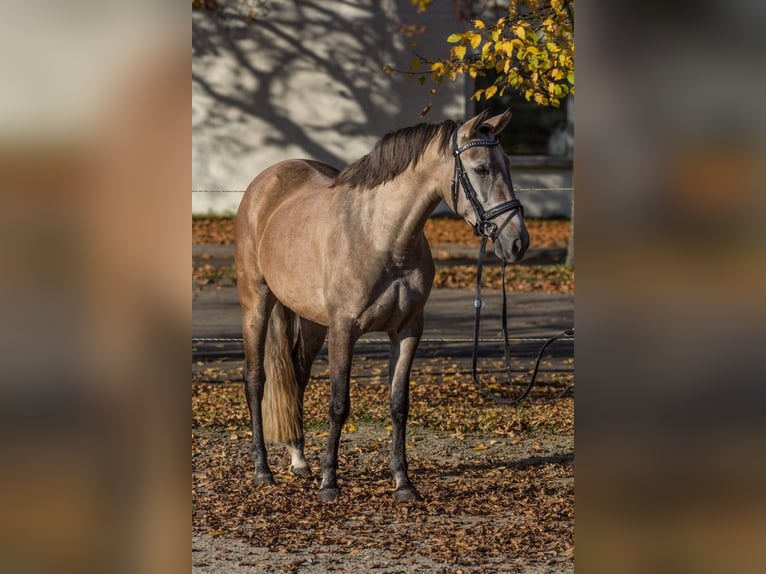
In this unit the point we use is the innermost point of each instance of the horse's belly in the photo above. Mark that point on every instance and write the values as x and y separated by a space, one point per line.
306 302
396 305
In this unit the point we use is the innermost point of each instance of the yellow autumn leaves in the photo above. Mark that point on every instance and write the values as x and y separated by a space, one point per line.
347 428
531 50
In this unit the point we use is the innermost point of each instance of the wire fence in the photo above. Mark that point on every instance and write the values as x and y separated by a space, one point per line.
212 351
515 189
200 340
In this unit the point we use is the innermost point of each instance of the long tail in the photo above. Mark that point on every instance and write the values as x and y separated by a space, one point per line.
281 406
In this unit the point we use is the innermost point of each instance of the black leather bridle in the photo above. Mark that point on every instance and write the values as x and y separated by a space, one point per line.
488 229
484 225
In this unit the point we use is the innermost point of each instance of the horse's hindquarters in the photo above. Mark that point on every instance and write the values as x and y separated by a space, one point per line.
292 247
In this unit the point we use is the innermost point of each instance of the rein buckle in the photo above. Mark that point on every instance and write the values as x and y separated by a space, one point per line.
485 229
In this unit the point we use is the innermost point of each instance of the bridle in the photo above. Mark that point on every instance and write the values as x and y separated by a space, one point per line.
487 229
484 225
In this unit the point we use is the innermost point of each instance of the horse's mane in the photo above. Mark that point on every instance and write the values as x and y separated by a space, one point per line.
394 153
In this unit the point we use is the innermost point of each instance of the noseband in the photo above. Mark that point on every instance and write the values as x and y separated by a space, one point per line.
484 225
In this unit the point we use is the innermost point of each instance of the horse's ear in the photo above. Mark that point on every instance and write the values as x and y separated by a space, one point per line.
471 126
497 123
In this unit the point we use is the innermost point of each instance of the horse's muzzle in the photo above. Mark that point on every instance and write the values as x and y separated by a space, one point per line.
519 248
512 250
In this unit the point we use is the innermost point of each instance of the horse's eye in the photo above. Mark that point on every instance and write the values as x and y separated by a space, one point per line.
481 171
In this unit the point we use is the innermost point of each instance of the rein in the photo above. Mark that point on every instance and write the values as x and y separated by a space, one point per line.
487 229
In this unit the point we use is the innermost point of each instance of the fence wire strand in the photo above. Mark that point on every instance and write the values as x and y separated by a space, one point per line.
515 189
203 340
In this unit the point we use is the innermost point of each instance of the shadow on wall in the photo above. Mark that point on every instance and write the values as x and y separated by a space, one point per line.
305 79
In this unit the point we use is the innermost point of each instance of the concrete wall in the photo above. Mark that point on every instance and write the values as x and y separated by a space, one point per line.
305 79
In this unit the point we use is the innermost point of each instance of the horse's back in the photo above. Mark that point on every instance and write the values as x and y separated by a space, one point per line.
272 187
278 182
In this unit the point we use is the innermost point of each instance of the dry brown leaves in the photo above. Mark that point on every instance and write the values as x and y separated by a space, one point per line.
452 231
442 398
538 278
213 231
209 274
497 482
439 231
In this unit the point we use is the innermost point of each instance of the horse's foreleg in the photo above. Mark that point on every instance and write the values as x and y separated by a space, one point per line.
310 340
255 320
403 346
340 348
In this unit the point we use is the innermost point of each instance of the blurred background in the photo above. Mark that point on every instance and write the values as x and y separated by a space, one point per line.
669 174
94 172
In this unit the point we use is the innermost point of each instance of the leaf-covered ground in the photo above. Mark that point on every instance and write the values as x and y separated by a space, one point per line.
440 231
538 278
497 482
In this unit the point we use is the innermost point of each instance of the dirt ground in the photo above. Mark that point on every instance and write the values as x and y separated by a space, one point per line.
497 483
483 511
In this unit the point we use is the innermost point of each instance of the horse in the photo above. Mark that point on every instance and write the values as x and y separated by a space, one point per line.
328 253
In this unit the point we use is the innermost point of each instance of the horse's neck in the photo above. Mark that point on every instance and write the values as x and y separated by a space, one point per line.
404 204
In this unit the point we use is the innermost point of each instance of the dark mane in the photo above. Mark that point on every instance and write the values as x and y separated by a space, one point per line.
394 153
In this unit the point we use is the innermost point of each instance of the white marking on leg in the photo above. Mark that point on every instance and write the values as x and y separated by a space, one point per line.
297 459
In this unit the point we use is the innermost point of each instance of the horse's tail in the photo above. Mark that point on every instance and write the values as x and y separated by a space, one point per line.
281 408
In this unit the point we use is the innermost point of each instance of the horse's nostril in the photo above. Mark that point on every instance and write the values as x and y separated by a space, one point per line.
516 247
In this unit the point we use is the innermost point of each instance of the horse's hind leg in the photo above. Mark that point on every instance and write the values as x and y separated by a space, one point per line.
404 343
310 340
257 303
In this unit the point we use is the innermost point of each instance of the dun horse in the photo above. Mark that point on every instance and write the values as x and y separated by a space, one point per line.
321 251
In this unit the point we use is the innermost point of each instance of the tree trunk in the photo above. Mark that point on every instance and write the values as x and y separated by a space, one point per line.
570 247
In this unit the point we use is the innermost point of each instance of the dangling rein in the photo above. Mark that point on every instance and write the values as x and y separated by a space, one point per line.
478 304
487 229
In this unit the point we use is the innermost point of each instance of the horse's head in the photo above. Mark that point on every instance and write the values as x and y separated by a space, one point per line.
482 192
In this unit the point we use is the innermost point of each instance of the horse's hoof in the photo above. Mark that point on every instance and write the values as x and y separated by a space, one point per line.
303 471
407 495
263 478
329 494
